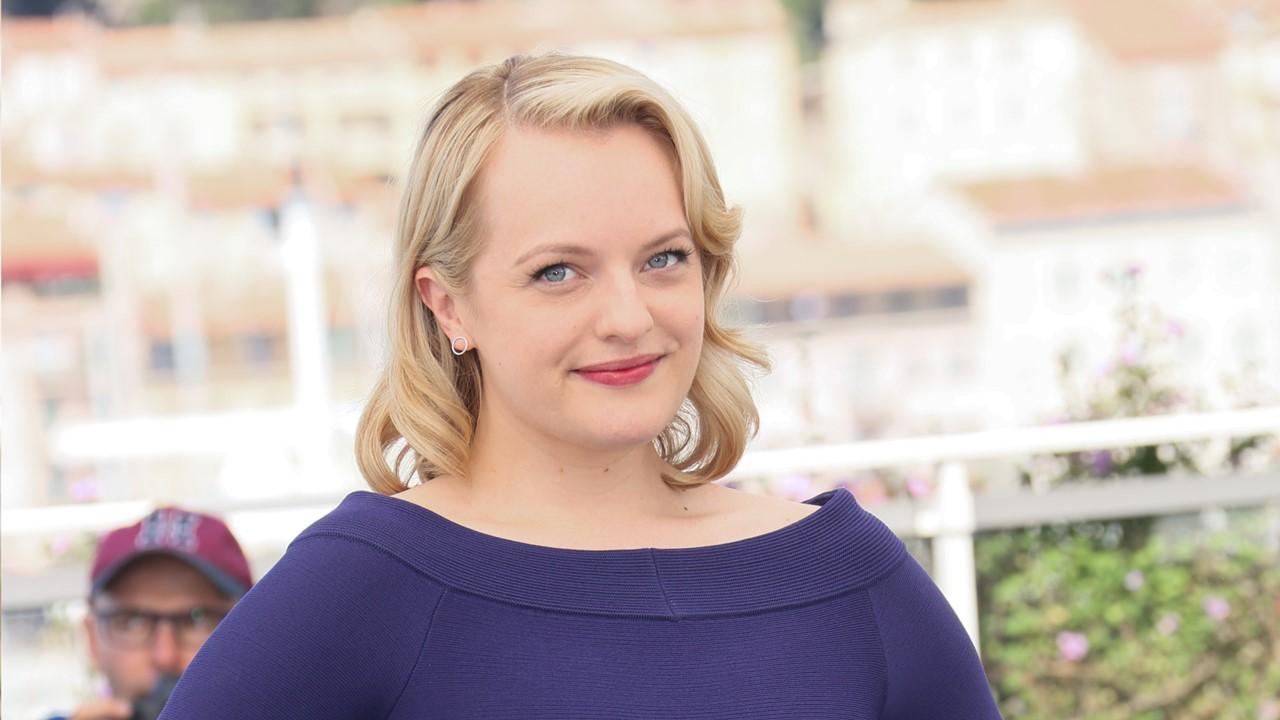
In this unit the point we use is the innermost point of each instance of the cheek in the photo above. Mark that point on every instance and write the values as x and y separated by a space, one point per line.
121 666
683 321
533 344
693 314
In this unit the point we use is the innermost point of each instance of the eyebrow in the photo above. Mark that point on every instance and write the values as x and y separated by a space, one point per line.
564 249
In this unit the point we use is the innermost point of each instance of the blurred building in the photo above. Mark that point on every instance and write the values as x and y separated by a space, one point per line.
1043 143
198 217
147 172
863 344
197 232
924 92
1207 257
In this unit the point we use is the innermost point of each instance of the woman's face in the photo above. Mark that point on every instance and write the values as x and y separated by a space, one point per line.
586 301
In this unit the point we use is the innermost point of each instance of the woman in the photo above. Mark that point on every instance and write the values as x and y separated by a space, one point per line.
545 539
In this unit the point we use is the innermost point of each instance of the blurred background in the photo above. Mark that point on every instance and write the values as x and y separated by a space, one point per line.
1017 263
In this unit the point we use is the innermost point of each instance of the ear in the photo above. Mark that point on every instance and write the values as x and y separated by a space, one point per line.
440 303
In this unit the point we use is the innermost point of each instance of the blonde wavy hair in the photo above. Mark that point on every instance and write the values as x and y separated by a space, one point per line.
421 415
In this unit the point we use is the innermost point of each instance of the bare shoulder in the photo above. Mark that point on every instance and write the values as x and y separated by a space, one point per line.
440 497
425 494
756 512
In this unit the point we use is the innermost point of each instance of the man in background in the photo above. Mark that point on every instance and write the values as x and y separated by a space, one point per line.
157 590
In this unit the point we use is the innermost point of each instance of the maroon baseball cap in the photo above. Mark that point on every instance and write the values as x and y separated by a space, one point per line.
202 541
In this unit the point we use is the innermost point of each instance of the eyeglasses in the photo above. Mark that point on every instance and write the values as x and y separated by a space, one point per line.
136 628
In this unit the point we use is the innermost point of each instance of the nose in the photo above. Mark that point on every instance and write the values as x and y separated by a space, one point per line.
166 653
624 312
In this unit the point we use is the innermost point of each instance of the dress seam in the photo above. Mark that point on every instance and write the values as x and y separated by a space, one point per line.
351 537
884 649
422 650
661 587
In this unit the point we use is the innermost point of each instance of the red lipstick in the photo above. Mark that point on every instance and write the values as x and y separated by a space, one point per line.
628 371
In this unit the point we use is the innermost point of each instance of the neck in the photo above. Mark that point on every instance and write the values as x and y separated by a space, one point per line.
521 476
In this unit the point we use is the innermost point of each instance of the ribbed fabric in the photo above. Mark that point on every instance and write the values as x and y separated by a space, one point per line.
385 609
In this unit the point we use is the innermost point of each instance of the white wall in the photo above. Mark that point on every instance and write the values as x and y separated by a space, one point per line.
1217 276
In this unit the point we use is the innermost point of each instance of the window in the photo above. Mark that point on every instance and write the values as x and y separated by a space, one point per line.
744 311
258 348
955 296
161 356
847 305
903 300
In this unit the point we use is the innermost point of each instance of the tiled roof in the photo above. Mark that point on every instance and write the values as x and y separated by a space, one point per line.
1126 30
1152 30
415 33
40 245
1108 192
831 266
231 188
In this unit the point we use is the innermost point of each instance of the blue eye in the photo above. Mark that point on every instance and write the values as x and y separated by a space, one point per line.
554 274
667 258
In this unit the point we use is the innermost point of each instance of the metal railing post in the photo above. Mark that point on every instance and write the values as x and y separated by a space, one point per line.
953 563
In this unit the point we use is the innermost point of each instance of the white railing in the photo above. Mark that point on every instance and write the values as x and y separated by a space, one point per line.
1015 442
949 517
952 515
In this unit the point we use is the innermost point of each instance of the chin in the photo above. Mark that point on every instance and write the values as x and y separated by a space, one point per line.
608 432
622 438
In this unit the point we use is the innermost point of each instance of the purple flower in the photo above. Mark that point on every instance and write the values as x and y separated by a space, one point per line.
60 544
1101 463
1130 352
794 487
1269 710
1168 624
1216 607
1134 269
1176 329
1134 580
1072 646
918 486
85 490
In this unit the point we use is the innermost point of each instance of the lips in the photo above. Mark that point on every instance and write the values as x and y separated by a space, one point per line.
625 364
617 373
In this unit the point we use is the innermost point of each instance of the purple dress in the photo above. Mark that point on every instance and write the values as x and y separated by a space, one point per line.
385 609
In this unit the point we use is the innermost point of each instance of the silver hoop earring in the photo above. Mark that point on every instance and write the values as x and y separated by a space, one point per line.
454 345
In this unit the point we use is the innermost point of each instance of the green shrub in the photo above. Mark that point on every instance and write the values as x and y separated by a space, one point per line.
1081 628
1130 618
